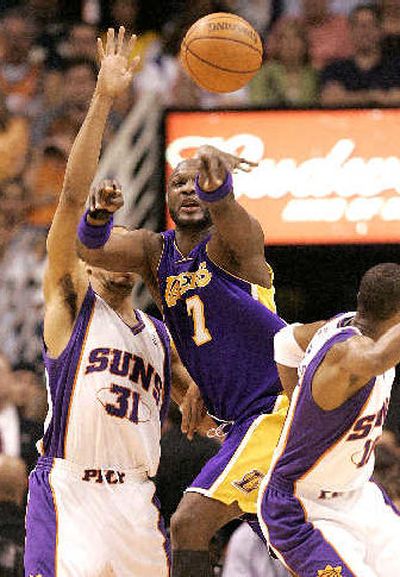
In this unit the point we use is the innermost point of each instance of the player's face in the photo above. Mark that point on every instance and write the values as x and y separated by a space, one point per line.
184 206
120 283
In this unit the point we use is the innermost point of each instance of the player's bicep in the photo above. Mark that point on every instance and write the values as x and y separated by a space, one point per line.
61 246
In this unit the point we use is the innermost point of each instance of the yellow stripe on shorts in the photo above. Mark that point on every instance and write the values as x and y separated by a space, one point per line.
242 476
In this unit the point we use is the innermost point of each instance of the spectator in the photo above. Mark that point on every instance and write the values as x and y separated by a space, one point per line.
258 12
14 138
390 13
126 13
44 176
13 483
328 33
367 78
288 79
80 43
247 556
19 74
79 77
20 291
293 7
19 402
164 76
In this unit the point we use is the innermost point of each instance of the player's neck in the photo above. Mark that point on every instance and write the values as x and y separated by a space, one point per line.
120 304
186 239
371 329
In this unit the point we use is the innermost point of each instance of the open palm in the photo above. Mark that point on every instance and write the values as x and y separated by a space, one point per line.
116 71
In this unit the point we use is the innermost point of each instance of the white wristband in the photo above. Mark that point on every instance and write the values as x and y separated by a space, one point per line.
287 351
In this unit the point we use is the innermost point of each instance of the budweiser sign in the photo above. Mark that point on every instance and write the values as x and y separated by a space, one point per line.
322 177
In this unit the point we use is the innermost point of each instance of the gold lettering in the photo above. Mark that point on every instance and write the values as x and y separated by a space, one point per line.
178 285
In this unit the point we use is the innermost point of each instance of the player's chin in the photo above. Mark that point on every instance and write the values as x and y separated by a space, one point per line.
123 280
194 218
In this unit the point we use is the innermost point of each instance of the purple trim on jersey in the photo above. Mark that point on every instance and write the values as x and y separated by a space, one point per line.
386 498
62 372
302 546
313 430
216 466
163 531
235 369
165 340
138 328
40 523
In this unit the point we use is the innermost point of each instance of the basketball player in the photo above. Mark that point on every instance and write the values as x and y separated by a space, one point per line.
215 288
320 512
92 508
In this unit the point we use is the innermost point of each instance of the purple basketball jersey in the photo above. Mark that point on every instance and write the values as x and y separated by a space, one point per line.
224 336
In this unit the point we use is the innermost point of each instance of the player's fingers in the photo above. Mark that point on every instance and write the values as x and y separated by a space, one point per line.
129 46
193 423
246 165
110 48
100 49
133 65
184 412
120 40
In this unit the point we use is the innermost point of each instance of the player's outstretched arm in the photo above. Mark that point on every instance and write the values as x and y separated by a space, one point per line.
238 238
350 365
65 279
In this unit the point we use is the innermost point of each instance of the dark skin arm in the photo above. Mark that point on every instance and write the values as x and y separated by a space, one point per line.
237 242
350 365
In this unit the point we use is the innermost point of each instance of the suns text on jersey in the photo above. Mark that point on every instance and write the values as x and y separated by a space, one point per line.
125 364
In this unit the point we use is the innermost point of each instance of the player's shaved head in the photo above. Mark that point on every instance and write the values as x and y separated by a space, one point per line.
379 293
188 165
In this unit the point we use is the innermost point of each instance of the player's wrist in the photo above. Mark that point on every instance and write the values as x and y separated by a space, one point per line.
98 216
94 234
219 193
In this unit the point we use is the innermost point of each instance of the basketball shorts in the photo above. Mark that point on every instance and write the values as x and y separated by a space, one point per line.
83 522
236 471
353 534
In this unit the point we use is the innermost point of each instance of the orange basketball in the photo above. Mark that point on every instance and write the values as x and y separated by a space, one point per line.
221 52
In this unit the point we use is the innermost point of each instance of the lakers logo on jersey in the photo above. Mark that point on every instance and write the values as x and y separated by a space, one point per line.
178 285
250 481
330 571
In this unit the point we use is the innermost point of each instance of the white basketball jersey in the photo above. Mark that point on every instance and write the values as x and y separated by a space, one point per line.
108 391
331 451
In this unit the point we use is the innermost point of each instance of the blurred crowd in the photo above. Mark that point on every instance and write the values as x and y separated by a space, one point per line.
317 53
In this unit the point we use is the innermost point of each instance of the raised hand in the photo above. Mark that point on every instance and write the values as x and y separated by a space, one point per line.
214 164
107 197
116 70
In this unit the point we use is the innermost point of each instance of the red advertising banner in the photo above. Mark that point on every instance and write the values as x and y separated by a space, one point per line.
323 176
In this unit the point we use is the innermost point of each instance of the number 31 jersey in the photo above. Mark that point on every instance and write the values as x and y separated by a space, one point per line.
223 329
108 391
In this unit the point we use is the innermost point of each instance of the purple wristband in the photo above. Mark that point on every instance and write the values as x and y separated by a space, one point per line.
93 236
214 195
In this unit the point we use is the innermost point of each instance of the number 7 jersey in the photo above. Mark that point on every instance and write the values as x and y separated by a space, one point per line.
223 329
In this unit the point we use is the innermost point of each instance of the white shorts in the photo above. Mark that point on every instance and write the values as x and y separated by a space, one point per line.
82 521
355 534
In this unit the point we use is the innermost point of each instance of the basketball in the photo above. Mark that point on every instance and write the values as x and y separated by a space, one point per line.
221 52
